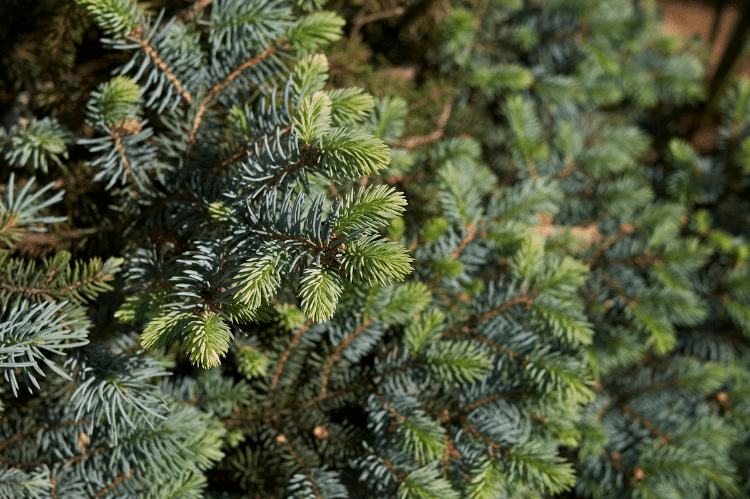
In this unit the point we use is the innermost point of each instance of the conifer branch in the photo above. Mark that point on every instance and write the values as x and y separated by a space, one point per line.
361 20
213 92
450 452
509 366
36 430
521 359
357 19
663 437
486 400
121 478
399 476
116 134
336 354
194 10
622 232
627 300
526 296
59 240
532 167
472 232
48 293
287 170
323 397
419 140
497 450
282 362
151 52
273 414
283 440
243 152
570 168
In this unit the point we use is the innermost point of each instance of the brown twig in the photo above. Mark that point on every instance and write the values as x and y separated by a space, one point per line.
335 355
622 232
485 400
357 19
472 231
729 59
521 359
394 413
272 414
434 95
222 84
47 293
630 302
242 152
57 239
480 12
281 438
570 168
378 16
420 140
151 52
291 168
125 162
275 379
194 10
105 490
449 453
532 167
33 431
663 437
497 449
399 476
406 179
525 297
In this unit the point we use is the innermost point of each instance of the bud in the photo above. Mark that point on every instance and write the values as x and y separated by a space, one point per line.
320 432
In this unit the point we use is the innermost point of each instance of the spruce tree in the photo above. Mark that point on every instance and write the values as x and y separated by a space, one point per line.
523 288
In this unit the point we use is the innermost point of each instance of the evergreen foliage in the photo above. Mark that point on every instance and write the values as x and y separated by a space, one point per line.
499 279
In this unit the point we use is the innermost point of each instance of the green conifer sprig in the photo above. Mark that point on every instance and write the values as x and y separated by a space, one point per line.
35 143
30 335
299 246
20 210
